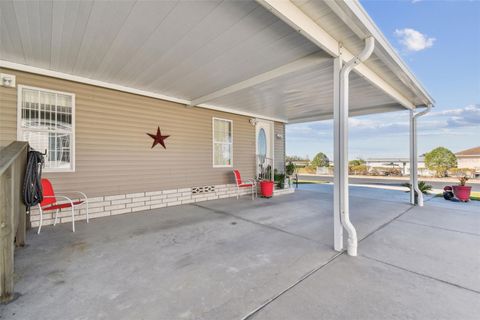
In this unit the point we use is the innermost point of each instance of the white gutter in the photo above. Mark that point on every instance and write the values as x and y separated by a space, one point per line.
352 241
414 156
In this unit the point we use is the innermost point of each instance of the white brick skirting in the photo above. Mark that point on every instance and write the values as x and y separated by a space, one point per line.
135 202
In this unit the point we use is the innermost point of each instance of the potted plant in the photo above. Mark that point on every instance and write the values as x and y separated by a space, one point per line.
289 171
279 179
461 191
266 183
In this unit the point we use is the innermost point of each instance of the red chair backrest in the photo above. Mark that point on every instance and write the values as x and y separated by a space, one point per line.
238 178
47 191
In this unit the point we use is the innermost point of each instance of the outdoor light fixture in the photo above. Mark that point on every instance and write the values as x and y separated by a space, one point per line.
7 80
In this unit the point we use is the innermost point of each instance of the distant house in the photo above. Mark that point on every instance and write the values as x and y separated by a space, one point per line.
301 163
469 158
396 163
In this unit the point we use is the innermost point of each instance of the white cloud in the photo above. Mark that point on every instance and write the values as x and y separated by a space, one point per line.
464 121
413 40
462 117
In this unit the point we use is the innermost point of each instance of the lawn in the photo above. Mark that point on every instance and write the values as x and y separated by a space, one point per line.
475 195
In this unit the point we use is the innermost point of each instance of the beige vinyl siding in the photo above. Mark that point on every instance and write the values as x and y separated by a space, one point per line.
279 146
113 153
8 115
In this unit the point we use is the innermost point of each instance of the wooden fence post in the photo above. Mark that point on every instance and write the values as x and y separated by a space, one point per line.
6 236
21 209
12 212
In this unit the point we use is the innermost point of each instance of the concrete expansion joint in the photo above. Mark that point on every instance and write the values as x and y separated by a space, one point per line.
252 313
438 228
255 223
386 224
420 274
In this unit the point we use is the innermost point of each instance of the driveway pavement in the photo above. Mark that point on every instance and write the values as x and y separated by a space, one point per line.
261 259
392 181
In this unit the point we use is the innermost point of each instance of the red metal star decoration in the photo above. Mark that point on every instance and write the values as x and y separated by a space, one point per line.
158 138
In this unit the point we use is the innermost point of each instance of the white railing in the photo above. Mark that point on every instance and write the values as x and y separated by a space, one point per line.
264 168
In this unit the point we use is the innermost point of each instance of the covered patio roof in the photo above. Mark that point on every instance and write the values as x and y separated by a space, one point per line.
288 61
267 59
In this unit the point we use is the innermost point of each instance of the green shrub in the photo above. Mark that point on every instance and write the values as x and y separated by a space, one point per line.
360 169
290 168
320 160
422 185
279 179
393 172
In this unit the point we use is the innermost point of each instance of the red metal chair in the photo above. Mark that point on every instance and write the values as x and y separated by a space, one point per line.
49 203
247 183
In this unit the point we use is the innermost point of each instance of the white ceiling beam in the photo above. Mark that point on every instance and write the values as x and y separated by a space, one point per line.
297 19
328 115
309 61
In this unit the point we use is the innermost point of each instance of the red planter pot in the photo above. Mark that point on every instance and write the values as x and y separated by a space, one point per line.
266 188
462 192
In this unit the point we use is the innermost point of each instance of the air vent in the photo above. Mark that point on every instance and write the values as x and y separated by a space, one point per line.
204 189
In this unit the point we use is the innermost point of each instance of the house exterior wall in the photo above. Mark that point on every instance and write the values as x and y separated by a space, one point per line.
113 154
468 162
279 146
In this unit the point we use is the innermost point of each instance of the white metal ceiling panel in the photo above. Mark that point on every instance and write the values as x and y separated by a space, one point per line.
186 50
306 94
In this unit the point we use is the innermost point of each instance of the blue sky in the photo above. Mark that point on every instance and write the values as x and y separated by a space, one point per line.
440 41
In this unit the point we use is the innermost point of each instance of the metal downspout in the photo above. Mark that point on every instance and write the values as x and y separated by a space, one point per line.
414 156
344 101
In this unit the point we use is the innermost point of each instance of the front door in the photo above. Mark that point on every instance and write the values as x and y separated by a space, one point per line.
264 148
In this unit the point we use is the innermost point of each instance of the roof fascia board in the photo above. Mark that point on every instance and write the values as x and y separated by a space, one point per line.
297 19
303 63
65 76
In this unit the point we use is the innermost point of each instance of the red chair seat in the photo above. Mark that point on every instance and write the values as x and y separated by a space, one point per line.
62 205
245 185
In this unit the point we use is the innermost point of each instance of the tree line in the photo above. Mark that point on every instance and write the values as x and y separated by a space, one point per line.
438 160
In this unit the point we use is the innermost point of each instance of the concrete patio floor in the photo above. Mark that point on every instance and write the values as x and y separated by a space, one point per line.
224 259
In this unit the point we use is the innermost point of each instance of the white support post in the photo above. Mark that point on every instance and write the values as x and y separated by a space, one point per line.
343 160
337 222
341 195
414 158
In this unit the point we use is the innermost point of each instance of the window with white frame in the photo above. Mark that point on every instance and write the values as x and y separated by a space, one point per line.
222 143
46 121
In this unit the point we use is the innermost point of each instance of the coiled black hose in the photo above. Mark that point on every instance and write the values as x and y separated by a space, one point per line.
32 184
